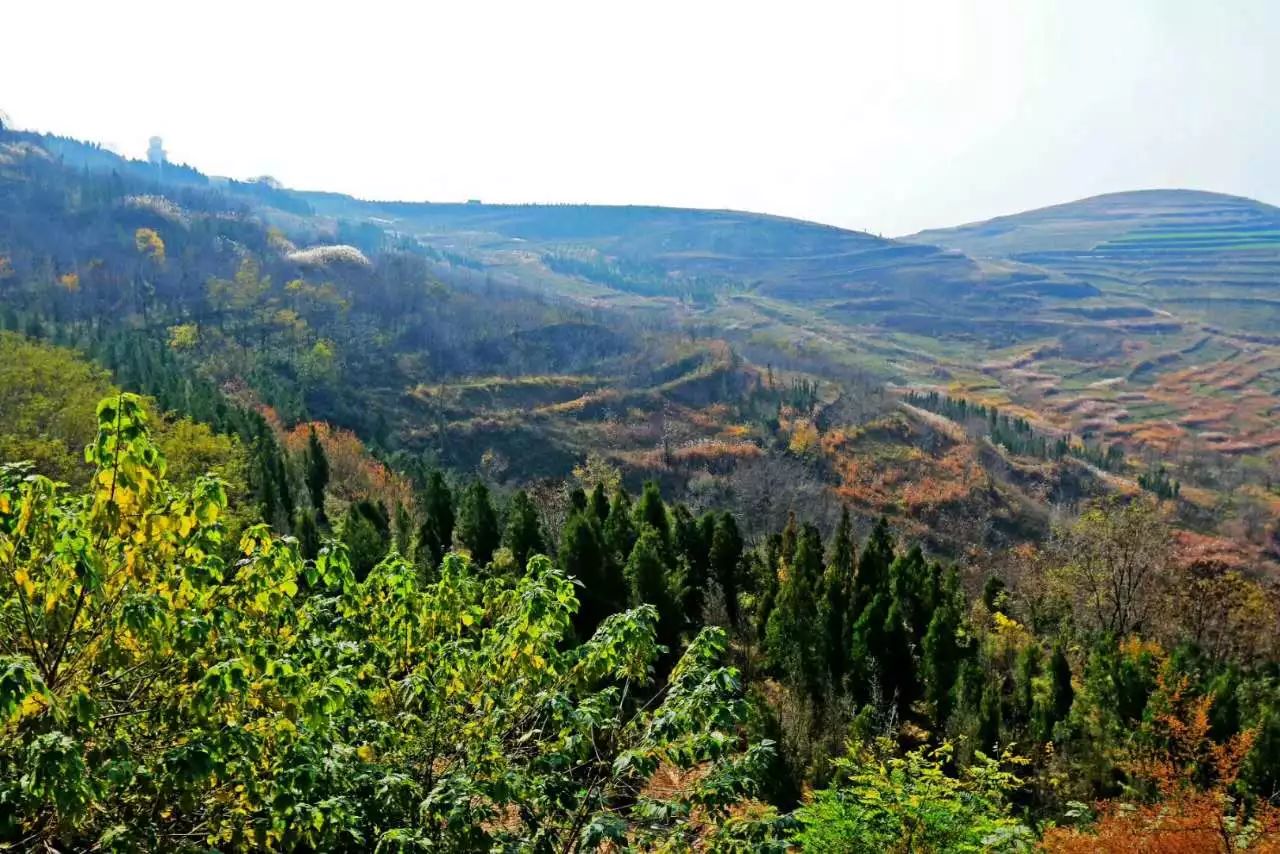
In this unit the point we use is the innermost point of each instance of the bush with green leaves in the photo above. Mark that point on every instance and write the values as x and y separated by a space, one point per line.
886 802
156 697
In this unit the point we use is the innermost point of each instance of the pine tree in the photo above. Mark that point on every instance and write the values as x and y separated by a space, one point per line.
435 536
914 582
600 503
649 579
523 534
478 530
872 577
837 602
317 474
652 512
941 654
1061 694
582 556
619 531
365 541
897 665
307 532
988 734
724 561
792 634
403 529
694 553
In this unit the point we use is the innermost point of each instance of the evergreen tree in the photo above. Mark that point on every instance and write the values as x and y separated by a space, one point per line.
649 579
317 474
619 532
435 536
478 530
577 500
1028 669
600 503
307 532
403 529
792 634
872 577
365 541
724 561
652 512
837 602
896 662
523 534
582 556
987 737
941 653
914 582
1061 694
694 553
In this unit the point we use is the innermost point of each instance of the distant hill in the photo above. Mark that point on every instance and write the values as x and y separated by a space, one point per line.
1117 223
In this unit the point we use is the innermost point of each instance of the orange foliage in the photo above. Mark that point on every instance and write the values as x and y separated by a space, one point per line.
1185 819
353 474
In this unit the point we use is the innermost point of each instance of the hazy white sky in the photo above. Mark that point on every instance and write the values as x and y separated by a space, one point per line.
885 116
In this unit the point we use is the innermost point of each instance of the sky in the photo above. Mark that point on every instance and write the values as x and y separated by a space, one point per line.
884 116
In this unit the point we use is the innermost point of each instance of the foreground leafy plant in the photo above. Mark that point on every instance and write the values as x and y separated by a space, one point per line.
884 802
152 696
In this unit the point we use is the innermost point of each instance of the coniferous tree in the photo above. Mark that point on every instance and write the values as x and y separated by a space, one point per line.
693 552
837 602
649 579
651 511
523 534
435 536
988 734
364 538
792 634
577 500
403 529
872 577
478 530
941 655
896 662
600 503
724 561
317 474
619 531
582 556
914 582
1061 694
307 532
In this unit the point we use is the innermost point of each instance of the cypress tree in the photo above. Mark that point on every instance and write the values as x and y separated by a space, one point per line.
478 528
941 653
1061 694
619 532
582 556
435 536
724 560
837 602
307 532
600 503
648 577
317 474
872 577
523 534
792 634
897 665
988 734
652 512
694 553
366 544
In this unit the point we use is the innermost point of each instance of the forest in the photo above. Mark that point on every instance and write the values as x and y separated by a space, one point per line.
314 539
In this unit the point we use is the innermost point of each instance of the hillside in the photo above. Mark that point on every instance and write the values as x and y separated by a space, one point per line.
330 525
